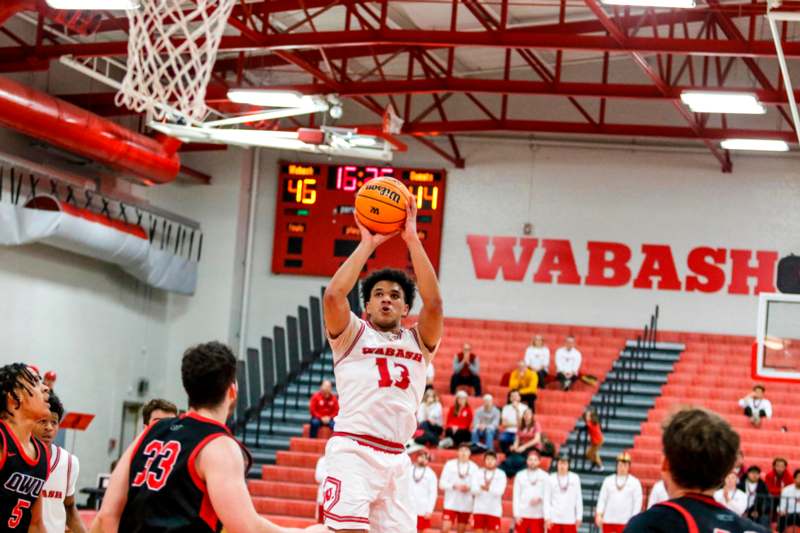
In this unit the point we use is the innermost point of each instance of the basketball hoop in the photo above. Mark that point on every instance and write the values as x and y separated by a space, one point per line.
171 51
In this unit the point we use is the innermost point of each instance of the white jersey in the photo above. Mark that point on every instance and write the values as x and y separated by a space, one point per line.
60 485
453 474
529 486
658 494
564 501
380 378
426 489
620 499
489 501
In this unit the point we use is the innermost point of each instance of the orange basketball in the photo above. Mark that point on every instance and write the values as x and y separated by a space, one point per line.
381 205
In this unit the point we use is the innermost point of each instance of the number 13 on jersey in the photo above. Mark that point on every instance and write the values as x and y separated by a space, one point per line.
386 379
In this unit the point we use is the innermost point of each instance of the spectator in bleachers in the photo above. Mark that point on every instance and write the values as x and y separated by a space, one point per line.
596 438
466 370
758 497
320 473
563 503
510 417
488 486
730 496
526 381
429 418
528 438
458 423
776 480
789 509
324 406
529 492
158 409
568 363
456 482
620 498
426 489
485 424
658 494
537 357
756 406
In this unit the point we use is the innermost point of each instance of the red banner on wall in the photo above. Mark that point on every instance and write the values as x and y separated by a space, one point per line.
610 265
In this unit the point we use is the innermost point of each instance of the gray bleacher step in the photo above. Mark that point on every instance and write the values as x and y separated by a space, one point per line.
659 357
265 441
674 347
617 440
650 378
650 366
279 428
641 389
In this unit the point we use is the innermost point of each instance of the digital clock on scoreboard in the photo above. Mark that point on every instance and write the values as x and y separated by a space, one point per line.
314 227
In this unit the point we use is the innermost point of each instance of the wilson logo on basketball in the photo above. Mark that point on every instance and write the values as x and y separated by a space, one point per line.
611 264
389 194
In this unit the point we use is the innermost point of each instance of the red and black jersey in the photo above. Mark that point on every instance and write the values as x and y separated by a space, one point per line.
21 479
165 493
692 513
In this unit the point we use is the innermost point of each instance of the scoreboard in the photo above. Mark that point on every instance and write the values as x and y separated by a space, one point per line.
315 231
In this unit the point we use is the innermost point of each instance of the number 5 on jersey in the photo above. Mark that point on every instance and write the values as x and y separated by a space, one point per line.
167 454
386 376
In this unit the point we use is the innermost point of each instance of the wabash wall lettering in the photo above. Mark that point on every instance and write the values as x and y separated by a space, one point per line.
609 265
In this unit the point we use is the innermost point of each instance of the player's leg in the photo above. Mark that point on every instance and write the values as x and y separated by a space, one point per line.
461 527
350 486
393 510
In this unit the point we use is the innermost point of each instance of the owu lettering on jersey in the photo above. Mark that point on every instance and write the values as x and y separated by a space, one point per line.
24 484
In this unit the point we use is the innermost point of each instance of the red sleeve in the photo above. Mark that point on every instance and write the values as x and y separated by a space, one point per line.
312 406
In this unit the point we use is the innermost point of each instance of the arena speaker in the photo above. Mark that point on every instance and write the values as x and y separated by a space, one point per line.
789 274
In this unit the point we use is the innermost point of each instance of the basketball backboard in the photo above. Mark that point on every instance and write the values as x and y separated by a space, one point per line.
776 355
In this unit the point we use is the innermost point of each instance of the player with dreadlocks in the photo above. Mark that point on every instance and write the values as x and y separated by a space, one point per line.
24 460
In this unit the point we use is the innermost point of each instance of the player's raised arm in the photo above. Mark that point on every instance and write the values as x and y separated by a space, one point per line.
334 304
431 316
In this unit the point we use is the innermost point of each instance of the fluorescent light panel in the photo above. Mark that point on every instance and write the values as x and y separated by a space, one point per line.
268 98
685 4
723 102
93 4
756 145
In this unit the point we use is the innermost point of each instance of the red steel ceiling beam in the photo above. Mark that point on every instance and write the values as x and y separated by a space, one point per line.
613 30
439 39
626 130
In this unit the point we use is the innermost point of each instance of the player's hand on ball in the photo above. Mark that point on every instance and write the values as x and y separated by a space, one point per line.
373 239
410 229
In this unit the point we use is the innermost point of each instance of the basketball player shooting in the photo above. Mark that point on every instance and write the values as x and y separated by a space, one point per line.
380 377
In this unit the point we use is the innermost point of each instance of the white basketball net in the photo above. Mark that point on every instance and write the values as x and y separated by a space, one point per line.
171 52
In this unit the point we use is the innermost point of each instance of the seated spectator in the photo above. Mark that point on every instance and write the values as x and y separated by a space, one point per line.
458 423
568 363
537 357
758 498
789 509
510 417
158 409
730 496
485 424
776 480
526 381
528 438
756 406
429 418
324 406
466 370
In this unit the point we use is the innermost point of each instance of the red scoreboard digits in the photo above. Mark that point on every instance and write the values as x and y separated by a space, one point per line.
314 227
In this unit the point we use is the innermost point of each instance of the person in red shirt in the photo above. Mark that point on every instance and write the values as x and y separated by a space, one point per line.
324 407
458 423
595 439
776 479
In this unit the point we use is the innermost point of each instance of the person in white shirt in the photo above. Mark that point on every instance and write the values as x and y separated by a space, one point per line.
488 486
620 498
789 508
320 473
456 482
756 406
731 497
537 357
568 363
429 419
510 418
426 489
58 493
529 494
658 494
563 504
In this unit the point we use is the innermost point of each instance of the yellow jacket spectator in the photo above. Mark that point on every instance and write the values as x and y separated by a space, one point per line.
526 381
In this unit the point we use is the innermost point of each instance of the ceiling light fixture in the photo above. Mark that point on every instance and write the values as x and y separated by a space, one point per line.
679 4
756 145
723 102
110 5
